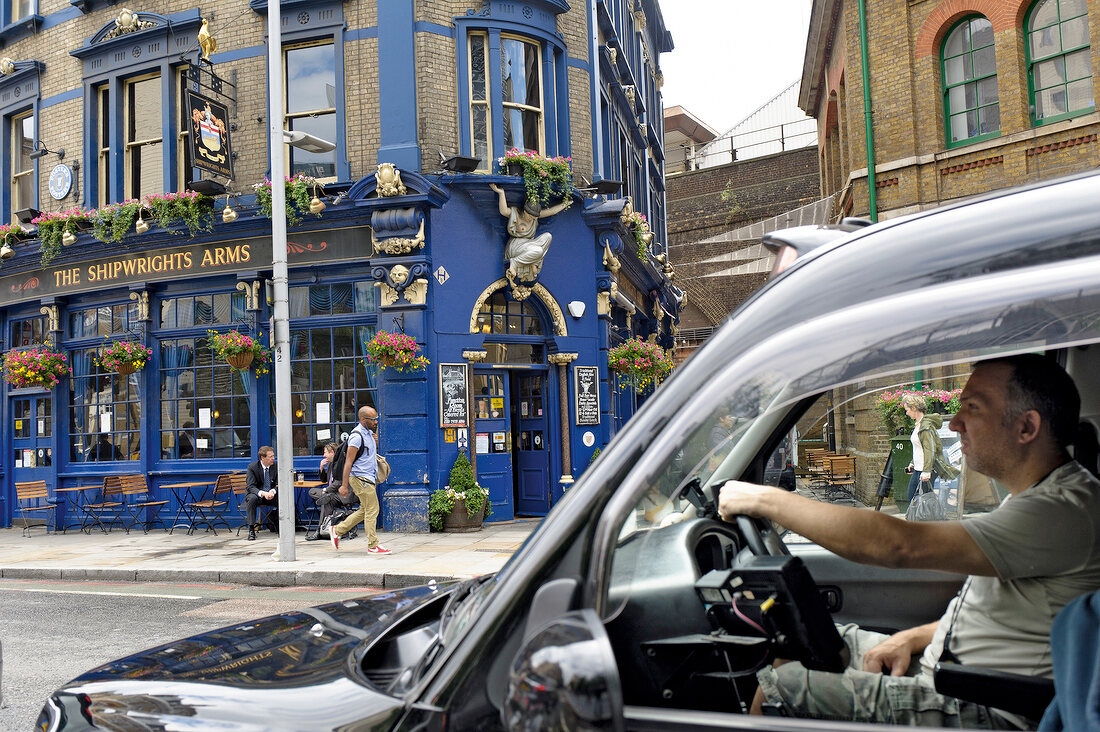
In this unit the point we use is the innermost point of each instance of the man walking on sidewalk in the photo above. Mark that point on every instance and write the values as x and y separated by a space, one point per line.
360 471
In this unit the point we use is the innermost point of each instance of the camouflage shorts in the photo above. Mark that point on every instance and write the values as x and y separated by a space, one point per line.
867 697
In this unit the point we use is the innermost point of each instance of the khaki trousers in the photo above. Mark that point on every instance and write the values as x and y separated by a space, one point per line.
367 513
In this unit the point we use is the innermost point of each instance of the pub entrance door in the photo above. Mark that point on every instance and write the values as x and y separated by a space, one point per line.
511 437
32 438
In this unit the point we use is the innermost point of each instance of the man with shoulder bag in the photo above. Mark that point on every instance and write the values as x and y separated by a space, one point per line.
360 473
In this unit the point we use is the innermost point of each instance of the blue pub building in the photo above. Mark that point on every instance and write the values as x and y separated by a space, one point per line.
422 232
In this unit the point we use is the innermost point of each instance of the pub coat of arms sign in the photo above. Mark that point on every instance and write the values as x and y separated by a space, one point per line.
210 149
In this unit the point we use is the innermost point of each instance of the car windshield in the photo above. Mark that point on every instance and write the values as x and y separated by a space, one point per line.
817 407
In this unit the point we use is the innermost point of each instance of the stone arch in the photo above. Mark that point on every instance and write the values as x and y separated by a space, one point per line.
557 316
1001 15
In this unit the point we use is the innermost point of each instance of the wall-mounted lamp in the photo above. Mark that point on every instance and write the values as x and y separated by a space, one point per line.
207 187
27 215
228 214
576 309
6 252
316 206
41 150
459 163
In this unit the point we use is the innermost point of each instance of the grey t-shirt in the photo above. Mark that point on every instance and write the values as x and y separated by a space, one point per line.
1044 544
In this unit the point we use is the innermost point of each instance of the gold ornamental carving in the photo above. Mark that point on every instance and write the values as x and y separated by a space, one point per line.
127 22
251 292
538 290
7 66
398 245
628 211
610 261
389 182
475 356
562 359
630 92
53 316
142 300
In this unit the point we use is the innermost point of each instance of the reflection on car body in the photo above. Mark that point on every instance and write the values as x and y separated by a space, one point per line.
809 352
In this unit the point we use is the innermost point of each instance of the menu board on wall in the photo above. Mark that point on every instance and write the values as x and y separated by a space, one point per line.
586 386
453 395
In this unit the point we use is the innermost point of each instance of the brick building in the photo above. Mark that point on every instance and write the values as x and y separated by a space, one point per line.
966 96
400 245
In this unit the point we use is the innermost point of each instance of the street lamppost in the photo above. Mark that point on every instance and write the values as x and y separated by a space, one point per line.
284 443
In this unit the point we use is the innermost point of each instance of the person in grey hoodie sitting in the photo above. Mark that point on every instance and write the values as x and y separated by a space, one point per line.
929 461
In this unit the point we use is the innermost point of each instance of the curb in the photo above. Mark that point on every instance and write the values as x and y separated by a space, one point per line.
256 577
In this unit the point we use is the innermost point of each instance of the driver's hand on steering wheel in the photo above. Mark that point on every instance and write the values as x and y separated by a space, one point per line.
738 498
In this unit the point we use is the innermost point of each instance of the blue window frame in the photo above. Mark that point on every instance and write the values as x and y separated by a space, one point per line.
513 90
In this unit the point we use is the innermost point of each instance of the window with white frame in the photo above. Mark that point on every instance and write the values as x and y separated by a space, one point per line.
144 136
24 184
311 96
521 94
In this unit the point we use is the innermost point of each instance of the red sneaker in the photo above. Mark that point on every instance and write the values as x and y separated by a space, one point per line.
378 550
332 535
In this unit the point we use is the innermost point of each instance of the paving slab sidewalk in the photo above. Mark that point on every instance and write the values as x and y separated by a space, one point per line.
204 557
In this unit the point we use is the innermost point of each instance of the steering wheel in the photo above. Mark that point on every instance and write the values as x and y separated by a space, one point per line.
758 533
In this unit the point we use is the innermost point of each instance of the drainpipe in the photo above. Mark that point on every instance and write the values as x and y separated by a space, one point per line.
872 202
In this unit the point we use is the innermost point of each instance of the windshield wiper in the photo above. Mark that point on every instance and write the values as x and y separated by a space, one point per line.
454 601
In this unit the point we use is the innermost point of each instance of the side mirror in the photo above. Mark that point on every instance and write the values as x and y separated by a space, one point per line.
564 677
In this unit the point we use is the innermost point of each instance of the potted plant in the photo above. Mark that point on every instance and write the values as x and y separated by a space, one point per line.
397 351
643 235
193 210
35 367
894 418
547 180
124 357
112 223
57 228
10 235
640 363
298 197
462 505
240 351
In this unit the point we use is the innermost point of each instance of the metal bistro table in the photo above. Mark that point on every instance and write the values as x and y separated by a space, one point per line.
74 508
183 494
303 504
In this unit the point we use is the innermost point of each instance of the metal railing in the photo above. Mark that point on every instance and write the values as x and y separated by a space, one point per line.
741 146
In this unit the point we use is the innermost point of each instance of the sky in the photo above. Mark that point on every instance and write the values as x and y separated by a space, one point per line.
731 56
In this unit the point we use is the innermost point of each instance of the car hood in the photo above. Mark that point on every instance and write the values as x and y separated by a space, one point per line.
290 671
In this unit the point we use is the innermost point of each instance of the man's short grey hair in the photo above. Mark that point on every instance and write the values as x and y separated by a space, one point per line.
1039 383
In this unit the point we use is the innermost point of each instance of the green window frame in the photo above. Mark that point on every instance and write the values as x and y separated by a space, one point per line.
971 103
1059 61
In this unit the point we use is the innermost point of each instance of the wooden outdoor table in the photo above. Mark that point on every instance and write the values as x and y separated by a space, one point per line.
302 500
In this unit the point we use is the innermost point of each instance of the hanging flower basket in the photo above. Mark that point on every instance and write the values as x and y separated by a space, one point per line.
124 357
53 226
240 351
176 210
299 190
643 235
639 363
35 368
397 351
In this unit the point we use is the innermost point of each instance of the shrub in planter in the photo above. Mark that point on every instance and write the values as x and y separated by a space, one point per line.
639 227
894 418
462 490
37 366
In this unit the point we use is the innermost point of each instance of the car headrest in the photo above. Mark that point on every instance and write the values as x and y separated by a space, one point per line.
1086 448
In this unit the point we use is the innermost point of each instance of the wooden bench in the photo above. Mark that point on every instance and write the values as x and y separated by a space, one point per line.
28 494
133 492
212 511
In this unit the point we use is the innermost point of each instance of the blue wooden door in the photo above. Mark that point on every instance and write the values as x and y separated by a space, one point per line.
32 439
532 454
493 440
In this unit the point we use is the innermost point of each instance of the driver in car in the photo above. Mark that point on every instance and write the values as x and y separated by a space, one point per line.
1025 560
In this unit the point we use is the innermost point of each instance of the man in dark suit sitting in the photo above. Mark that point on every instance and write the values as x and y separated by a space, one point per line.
261 482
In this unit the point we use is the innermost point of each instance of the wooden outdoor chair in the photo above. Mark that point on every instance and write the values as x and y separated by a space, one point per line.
841 478
212 511
105 509
29 494
134 493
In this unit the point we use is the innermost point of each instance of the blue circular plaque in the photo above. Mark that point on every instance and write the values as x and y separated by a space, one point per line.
61 181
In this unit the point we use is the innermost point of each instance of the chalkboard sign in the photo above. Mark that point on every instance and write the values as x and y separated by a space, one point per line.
586 385
453 395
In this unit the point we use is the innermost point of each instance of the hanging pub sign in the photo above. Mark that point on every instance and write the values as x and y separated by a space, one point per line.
586 388
210 148
452 395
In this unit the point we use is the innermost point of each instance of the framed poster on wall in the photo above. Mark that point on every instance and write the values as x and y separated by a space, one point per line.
453 395
586 387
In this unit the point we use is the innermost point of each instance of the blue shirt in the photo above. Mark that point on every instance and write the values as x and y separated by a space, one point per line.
366 464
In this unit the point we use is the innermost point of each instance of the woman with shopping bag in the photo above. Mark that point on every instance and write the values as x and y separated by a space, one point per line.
929 461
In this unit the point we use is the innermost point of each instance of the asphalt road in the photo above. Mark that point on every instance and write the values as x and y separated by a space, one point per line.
51 631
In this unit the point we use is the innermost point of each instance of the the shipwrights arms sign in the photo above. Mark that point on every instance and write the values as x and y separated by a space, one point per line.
310 247
210 148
